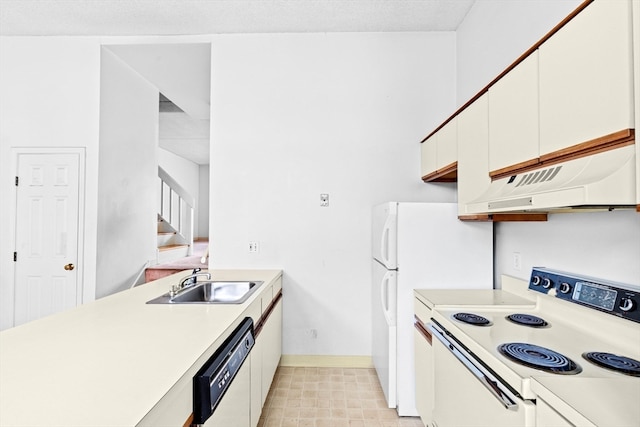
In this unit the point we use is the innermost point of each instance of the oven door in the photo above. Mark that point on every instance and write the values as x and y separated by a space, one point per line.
467 394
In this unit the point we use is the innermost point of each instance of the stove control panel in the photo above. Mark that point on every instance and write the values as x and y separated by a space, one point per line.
614 298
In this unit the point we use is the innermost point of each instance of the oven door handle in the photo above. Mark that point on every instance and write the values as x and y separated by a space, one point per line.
487 379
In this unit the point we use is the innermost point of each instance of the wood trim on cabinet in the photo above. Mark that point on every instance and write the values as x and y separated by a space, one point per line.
419 325
448 173
189 421
515 169
265 316
598 145
506 217
594 146
522 57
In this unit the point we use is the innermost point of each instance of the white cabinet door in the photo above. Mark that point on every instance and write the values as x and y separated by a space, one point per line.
271 348
255 311
428 150
513 116
473 153
440 151
423 361
424 378
586 81
447 147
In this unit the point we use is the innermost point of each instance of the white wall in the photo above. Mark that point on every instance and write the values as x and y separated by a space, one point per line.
297 115
496 32
606 244
49 97
187 173
128 171
203 202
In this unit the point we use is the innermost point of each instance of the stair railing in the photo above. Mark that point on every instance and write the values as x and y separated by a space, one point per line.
176 207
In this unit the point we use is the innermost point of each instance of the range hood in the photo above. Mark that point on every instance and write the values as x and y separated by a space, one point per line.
602 180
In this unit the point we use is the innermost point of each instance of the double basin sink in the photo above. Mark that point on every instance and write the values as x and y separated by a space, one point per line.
210 292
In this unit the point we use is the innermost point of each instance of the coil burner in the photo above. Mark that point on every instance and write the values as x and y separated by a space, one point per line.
540 358
472 319
622 364
527 320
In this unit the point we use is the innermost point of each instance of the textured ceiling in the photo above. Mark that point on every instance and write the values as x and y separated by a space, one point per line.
168 17
187 134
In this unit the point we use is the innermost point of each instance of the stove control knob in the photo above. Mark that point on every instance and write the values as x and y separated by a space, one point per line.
627 304
535 280
565 288
547 283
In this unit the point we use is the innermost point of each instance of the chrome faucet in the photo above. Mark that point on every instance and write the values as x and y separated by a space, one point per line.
187 282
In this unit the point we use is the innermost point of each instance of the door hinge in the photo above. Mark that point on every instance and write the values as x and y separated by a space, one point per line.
16 181
15 256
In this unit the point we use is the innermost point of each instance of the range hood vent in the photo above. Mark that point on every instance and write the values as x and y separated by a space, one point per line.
532 178
602 180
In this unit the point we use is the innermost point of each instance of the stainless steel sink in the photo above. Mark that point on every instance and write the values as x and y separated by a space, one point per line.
211 292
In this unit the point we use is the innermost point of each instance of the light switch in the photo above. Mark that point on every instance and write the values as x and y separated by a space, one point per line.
324 200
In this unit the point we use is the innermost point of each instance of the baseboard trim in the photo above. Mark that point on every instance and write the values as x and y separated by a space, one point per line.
305 360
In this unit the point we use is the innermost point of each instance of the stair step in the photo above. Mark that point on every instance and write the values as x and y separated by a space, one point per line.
171 247
166 233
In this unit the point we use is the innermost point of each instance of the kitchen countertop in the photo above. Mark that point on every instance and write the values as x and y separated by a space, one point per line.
514 293
470 297
108 362
595 394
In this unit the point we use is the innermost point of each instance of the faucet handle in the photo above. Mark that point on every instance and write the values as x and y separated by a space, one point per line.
195 270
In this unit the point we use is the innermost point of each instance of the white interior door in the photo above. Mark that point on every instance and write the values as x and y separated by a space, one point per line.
47 222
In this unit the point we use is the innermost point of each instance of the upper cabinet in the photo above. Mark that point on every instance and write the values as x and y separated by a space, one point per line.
523 142
439 153
586 80
513 117
473 156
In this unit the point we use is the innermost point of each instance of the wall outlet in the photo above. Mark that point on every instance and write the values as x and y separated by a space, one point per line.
253 247
517 261
313 333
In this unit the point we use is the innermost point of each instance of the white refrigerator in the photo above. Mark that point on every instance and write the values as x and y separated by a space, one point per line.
418 246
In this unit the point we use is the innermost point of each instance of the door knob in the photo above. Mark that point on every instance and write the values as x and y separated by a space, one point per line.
69 267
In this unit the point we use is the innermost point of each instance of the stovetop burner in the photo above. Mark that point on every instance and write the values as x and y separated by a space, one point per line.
472 319
527 320
622 364
538 357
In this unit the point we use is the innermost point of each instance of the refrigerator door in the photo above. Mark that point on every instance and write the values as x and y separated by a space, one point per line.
384 329
385 234
435 251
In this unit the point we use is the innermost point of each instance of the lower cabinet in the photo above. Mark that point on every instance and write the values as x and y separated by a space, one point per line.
271 348
256 382
423 360
267 350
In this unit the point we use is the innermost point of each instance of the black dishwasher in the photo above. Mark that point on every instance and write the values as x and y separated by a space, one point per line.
214 378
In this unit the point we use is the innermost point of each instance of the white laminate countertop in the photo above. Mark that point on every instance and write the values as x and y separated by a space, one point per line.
470 297
108 362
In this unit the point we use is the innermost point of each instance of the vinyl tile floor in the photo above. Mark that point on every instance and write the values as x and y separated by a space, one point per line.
329 397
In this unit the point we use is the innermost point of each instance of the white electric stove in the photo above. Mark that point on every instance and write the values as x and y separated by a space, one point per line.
580 339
